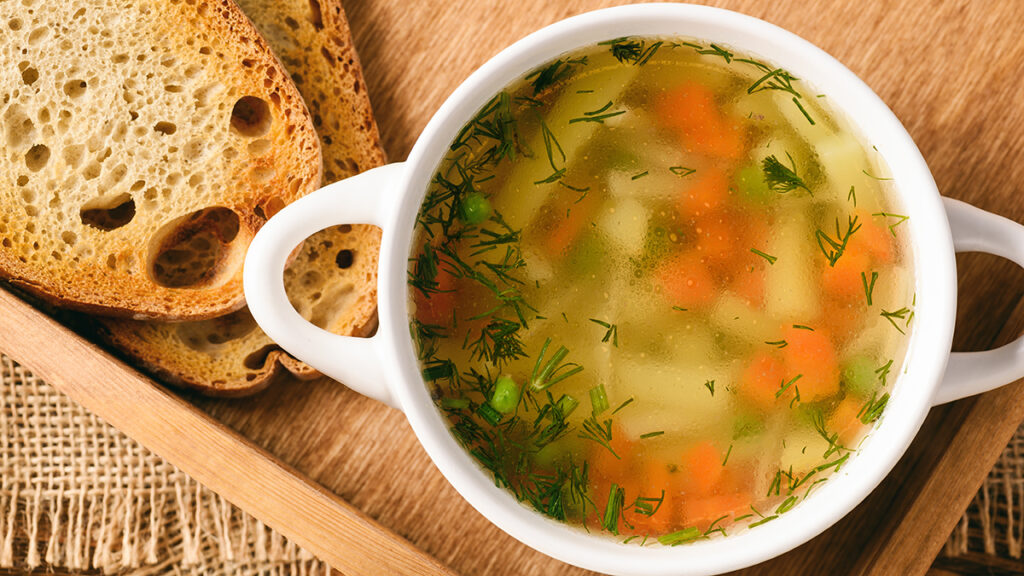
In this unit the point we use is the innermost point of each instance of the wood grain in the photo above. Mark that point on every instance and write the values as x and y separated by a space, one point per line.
218 458
949 69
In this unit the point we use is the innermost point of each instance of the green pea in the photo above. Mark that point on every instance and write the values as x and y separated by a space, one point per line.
475 208
751 185
505 397
858 376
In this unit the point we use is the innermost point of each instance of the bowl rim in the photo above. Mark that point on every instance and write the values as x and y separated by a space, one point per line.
927 350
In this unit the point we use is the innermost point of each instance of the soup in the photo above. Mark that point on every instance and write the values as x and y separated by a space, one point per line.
660 289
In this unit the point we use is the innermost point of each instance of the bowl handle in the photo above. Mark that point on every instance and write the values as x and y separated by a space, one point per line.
969 373
367 198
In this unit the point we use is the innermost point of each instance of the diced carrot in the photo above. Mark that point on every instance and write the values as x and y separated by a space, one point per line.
702 468
762 379
811 355
843 280
567 230
873 237
716 236
708 190
842 317
607 465
691 110
437 308
656 477
701 511
845 422
686 281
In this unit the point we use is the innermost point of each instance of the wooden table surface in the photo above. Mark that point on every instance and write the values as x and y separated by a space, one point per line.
951 71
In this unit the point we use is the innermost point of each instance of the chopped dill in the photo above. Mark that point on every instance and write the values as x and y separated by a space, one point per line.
727 453
612 331
741 518
763 521
873 408
883 373
786 505
599 432
869 288
900 219
647 506
902 314
777 79
802 110
783 386
651 434
869 175
623 405
546 374
802 327
852 196
777 343
834 447
781 178
499 342
679 308
771 259
837 245
710 385
600 118
681 171
632 51
553 73
584 91
640 175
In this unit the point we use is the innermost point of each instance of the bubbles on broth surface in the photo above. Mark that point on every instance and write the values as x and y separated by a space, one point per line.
660 289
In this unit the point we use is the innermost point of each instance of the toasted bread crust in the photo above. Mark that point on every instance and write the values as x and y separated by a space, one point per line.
317 50
150 116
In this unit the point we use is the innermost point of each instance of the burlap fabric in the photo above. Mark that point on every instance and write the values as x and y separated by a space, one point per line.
77 495
994 522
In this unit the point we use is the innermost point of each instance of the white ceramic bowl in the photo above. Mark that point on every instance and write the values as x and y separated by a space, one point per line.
385 366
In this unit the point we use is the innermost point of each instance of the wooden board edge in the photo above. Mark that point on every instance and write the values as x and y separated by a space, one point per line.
212 454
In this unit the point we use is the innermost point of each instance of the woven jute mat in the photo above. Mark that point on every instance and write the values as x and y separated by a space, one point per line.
993 524
77 495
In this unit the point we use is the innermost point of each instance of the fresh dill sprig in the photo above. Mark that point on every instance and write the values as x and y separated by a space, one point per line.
781 178
611 333
869 288
647 506
553 73
900 219
902 314
632 51
499 342
599 432
777 79
834 447
836 246
873 408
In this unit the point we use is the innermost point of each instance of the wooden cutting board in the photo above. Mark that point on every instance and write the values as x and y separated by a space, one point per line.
950 70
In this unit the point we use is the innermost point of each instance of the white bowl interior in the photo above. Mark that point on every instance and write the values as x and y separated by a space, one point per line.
929 342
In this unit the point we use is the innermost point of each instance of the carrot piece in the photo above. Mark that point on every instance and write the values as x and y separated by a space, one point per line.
843 280
437 308
845 421
566 231
762 380
707 191
606 465
691 110
702 468
656 477
686 281
701 511
873 237
716 236
811 355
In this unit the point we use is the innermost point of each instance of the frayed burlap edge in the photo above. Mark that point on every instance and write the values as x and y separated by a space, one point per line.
76 494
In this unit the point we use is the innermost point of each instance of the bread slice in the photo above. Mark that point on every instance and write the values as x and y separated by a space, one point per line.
143 144
333 280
